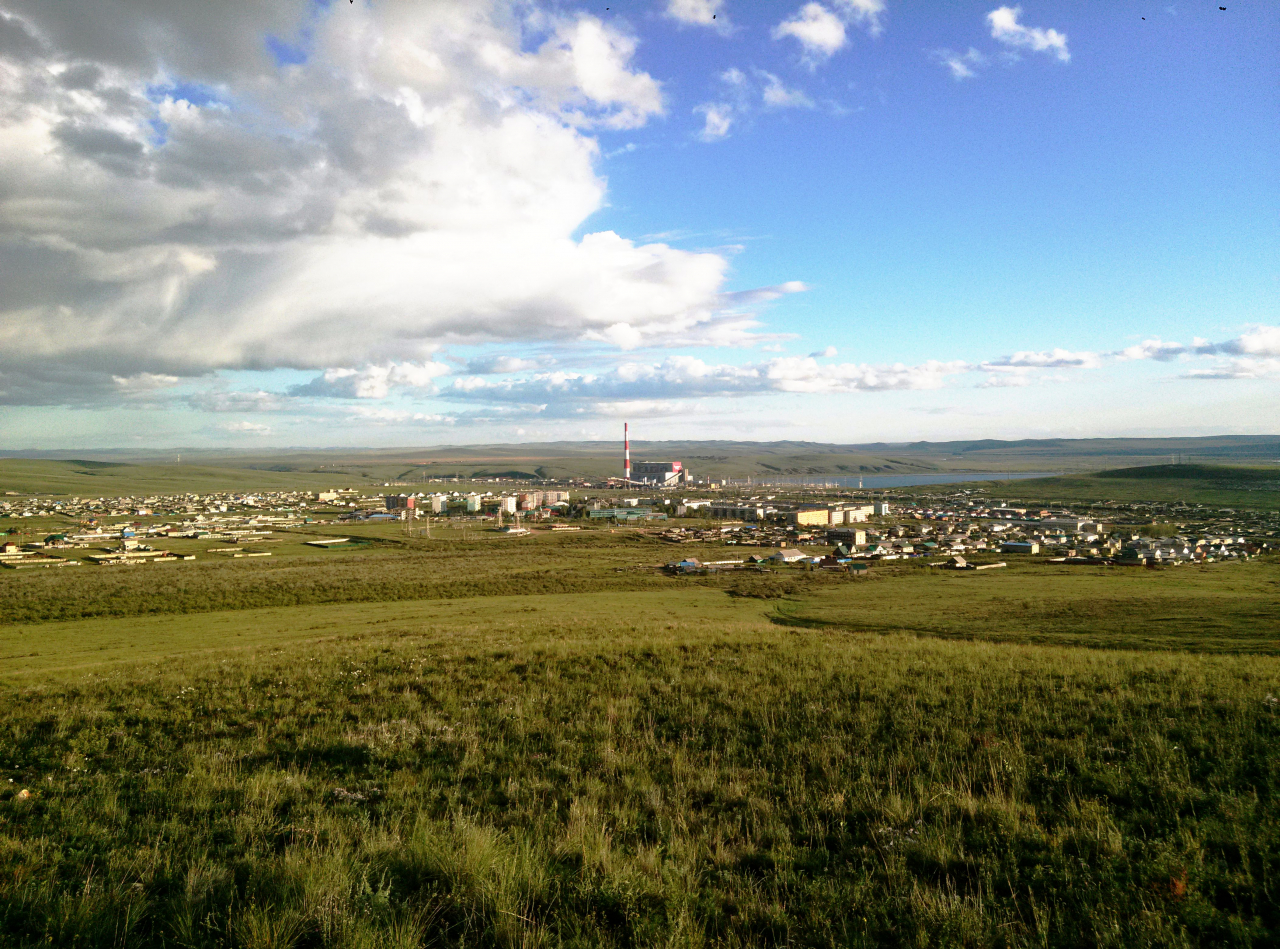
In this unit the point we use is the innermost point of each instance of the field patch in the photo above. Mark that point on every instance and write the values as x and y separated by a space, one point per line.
1232 607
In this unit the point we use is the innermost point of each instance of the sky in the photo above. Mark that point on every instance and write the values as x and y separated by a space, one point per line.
279 223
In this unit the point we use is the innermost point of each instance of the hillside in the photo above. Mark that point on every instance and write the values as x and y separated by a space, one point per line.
78 477
1229 486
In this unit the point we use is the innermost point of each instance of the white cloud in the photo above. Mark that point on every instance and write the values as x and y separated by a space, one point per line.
245 428
1258 341
864 13
585 69
819 31
492 365
1155 349
175 203
254 401
381 415
730 326
1049 359
144 382
1254 354
739 103
778 96
1015 379
962 65
1241 367
1006 29
699 12
684 377
717 120
372 382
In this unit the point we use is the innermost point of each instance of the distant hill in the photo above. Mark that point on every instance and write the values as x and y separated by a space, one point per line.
25 476
1217 473
1229 486
90 472
974 455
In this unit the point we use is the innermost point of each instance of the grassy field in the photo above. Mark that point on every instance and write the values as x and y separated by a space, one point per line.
1226 607
544 742
456 562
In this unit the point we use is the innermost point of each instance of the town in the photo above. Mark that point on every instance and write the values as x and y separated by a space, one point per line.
957 525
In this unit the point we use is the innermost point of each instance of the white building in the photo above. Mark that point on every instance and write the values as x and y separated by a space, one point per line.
661 473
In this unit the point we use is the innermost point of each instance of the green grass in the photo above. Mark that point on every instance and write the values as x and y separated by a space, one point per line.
641 775
390 568
544 742
1227 607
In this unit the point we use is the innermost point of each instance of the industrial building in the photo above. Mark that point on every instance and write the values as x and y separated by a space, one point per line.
662 474
626 514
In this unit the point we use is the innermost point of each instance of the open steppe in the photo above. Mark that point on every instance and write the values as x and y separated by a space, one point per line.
484 740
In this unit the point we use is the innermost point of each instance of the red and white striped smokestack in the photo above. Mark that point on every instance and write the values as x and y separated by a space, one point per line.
626 452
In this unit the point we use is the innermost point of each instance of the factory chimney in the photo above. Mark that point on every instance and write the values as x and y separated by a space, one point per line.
626 452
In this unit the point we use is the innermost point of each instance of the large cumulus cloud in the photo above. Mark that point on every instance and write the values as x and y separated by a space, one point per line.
184 190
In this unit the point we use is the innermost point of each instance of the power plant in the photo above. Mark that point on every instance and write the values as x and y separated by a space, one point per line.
660 474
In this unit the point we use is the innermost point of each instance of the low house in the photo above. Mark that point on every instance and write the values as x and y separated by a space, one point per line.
688 565
1020 547
786 555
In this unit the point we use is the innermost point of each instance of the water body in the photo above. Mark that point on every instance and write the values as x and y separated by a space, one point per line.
907 481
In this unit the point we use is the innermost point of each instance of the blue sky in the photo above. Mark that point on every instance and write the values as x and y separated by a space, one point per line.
855 220
1133 187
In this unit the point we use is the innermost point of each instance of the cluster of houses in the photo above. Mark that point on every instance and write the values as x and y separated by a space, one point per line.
968 527
207 504
133 543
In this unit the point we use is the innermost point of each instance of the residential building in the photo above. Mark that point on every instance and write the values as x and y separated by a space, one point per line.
814 517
